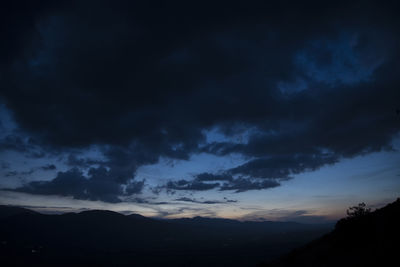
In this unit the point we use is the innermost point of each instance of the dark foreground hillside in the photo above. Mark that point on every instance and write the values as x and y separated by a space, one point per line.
369 240
105 238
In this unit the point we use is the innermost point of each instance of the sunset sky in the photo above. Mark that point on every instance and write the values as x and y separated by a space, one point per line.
254 111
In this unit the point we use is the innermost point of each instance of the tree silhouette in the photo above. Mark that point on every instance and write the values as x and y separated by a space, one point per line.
358 211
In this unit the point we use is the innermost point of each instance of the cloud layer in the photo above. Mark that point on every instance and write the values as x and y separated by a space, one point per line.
317 82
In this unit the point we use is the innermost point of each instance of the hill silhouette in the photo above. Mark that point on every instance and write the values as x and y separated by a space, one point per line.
104 238
370 239
8 211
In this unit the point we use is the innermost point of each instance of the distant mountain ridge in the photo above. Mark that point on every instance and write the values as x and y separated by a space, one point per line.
7 211
100 237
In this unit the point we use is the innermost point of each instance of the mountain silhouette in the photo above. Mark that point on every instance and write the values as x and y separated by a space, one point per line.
7 211
104 238
368 240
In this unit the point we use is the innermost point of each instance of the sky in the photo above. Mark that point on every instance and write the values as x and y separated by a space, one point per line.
254 111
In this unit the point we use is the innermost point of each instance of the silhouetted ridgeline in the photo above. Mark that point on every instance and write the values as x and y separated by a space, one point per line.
109 238
369 240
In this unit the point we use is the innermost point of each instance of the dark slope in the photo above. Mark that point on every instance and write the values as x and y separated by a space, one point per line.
228 224
369 240
7 211
109 238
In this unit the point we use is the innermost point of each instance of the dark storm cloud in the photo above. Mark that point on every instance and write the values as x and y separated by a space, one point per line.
15 173
4 165
11 173
245 184
22 144
74 161
119 165
17 26
190 185
270 172
48 167
27 172
135 187
201 182
283 166
240 184
206 176
99 185
73 183
13 142
317 81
